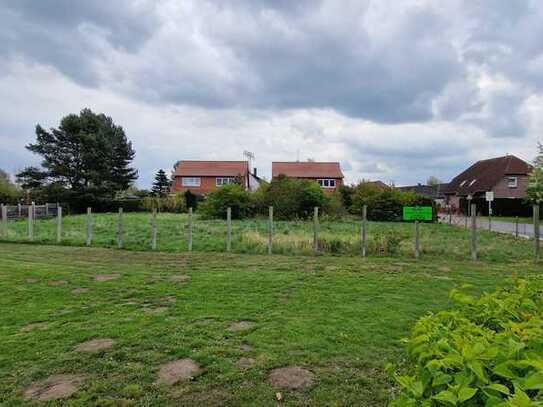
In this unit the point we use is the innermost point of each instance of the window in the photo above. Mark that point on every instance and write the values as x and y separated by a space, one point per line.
190 181
462 183
512 182
472 182
225 181
327 183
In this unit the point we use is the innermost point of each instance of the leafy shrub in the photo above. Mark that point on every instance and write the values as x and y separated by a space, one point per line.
233 196
291 198
384 204
333 207
485 351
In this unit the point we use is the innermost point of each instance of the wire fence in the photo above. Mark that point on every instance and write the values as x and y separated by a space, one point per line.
453 237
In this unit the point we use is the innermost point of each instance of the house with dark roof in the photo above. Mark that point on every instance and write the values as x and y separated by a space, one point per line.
435 192
506 177
202 177
327 174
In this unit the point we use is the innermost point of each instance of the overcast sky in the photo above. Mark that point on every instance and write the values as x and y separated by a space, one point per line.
394 90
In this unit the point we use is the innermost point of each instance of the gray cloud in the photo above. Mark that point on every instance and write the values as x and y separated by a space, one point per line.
343 81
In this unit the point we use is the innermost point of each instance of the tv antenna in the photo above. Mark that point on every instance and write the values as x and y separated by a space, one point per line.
250 156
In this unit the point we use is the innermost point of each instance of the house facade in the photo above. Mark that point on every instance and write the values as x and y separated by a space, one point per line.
506 177
327 174
203 177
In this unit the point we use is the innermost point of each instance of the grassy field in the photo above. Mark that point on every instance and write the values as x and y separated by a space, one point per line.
339 317
250 236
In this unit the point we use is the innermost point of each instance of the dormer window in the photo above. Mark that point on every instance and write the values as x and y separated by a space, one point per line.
462 183
512 182
472 182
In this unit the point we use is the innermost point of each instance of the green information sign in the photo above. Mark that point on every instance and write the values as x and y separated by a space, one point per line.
417 213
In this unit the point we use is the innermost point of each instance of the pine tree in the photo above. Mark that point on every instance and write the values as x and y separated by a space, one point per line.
87 155
161 185
535 182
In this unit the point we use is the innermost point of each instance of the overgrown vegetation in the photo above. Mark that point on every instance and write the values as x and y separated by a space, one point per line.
485 351
290 237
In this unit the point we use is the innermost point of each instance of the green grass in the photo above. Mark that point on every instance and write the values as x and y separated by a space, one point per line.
250 236
341 317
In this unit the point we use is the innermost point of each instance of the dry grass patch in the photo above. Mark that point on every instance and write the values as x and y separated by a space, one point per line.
54 387
36 326
245 363
178 370
106 277
292 377
240 326
95 345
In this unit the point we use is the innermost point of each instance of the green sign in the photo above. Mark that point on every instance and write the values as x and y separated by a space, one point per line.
417 213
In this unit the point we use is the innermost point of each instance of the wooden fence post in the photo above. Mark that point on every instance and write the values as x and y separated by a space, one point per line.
316 229
270 229
417 239
30 223
89 226
120 229
228 229
190 230
59 224
473 232
537 233
516 226
363 232
19 210
33 211
4 220
153 230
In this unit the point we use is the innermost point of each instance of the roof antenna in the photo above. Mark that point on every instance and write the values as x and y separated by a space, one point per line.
250 156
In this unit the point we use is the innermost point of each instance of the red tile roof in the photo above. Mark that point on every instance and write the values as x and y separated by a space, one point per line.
210 168
307 169
485 174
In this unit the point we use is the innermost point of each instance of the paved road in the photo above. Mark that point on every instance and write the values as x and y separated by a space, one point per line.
524 229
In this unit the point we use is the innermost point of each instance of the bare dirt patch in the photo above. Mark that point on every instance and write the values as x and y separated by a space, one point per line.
54 387
245 363
245 348
155 311
169 298
95 345
56 283
444 269
79 290
179 278
106 277
293 377
241 326
31 280
36 326
178 370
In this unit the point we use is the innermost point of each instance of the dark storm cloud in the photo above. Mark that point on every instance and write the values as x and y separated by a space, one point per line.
68 34
360 58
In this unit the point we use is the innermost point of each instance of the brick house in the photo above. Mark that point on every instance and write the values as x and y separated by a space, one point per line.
202 177
506 176
327 174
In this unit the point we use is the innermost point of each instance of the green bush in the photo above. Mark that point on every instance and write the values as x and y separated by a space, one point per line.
233 196
485 351
291 198
384 204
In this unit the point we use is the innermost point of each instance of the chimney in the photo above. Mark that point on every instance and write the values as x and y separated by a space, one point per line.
254 171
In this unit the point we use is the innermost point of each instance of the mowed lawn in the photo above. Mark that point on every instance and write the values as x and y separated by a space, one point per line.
236 316
340 237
